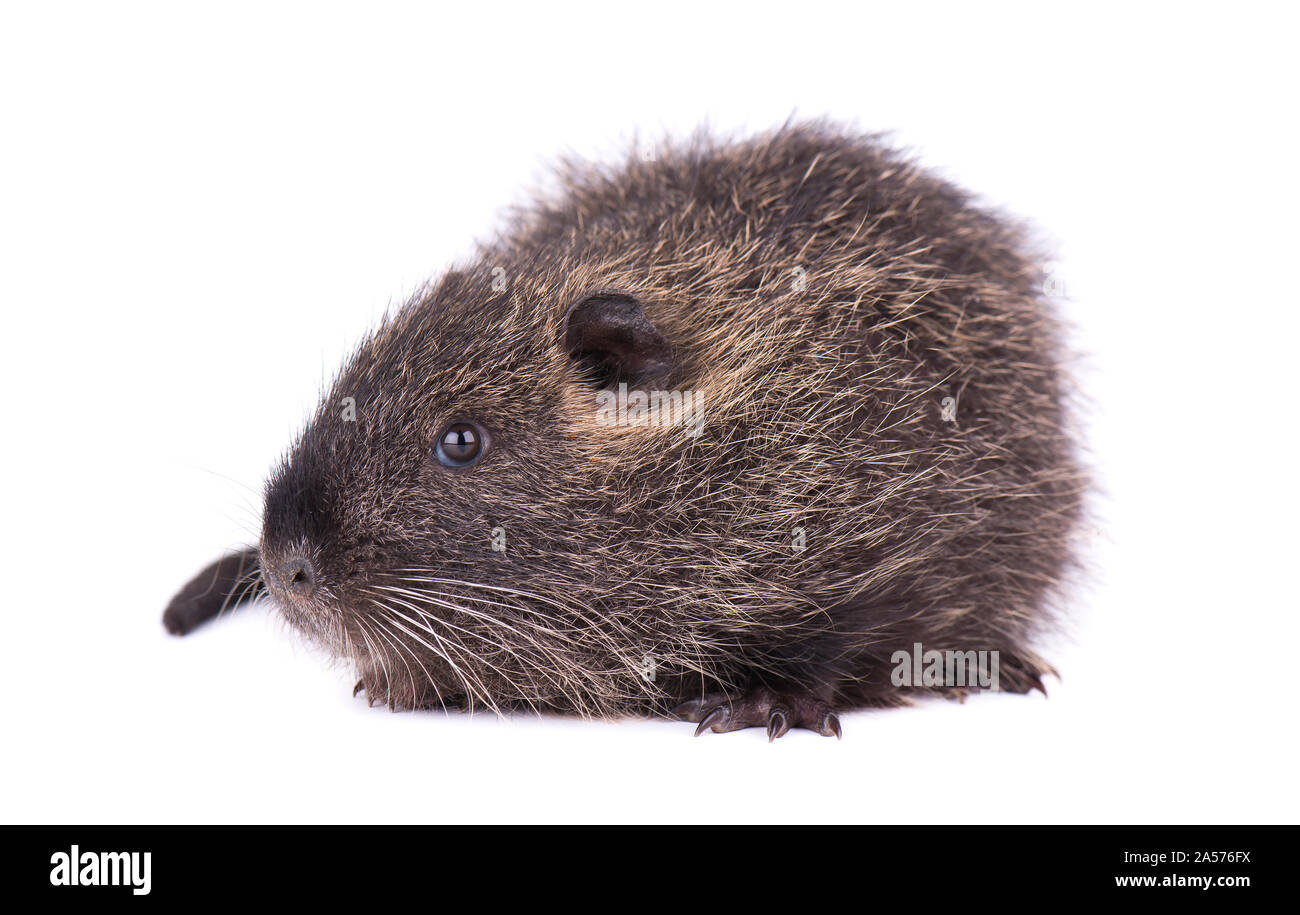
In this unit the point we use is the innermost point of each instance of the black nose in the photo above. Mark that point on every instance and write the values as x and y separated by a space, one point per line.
297 576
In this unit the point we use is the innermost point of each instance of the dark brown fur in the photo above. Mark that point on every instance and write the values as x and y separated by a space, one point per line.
825 295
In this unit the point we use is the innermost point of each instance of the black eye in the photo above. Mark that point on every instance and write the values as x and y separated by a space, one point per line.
460 445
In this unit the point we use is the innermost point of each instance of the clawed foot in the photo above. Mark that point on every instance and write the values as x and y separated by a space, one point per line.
376 693
760 709
1020 673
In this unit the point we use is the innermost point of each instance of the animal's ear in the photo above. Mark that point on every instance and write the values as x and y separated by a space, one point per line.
610 335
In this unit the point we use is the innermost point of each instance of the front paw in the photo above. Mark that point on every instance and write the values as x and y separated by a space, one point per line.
760 708
377 691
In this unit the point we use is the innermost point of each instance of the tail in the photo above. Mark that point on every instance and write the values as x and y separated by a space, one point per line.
230 581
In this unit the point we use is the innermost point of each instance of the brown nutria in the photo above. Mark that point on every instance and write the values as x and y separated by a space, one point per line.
876 453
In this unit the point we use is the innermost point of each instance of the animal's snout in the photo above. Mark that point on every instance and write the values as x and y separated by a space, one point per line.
296 576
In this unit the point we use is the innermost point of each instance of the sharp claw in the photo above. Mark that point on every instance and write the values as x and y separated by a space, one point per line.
715 717
1038 685
777 724
831 725
358 688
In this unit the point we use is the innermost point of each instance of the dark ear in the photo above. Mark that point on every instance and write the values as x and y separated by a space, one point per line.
611 336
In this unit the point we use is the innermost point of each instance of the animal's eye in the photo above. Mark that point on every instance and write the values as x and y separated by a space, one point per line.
460 445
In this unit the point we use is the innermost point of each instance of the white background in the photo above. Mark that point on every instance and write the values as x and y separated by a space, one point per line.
201 211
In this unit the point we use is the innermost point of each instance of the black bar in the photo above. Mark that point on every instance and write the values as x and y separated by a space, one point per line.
368 863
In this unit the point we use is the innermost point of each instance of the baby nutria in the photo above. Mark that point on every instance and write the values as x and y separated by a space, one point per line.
727 434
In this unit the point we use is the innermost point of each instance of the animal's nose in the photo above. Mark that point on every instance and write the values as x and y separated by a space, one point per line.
297 576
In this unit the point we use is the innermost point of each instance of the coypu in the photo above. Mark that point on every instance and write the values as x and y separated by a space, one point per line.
484 512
